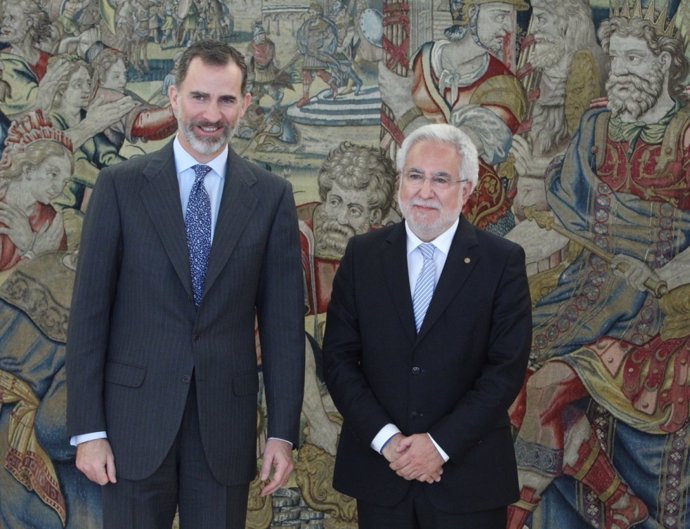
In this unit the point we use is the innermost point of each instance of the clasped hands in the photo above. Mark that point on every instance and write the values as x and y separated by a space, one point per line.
414 457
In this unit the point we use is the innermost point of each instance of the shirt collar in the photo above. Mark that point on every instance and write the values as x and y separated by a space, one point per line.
184 160
442 242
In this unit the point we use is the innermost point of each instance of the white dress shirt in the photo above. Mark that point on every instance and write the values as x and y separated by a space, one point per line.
415 260
213 182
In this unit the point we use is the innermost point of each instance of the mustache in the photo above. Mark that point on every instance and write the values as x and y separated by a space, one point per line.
542 38
632 80
431 203
331 228
332 237
204 123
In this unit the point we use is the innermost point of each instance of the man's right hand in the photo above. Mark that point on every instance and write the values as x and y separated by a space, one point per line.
390 451
95 459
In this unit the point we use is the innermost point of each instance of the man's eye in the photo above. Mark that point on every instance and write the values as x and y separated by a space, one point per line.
415 177
440 180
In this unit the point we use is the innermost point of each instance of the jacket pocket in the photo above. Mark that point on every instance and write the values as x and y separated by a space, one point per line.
124 374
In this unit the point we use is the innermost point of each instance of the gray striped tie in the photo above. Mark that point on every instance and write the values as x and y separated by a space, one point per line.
426 282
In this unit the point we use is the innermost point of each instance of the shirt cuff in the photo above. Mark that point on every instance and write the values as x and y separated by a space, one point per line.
445 456
383 436
283 440
79 439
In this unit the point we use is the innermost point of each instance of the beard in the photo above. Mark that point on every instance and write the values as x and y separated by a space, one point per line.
547 52
630 95
549 128
330 236
455 33
201 144
423 228
494 45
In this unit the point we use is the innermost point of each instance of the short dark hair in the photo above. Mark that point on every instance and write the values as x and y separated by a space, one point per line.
211 52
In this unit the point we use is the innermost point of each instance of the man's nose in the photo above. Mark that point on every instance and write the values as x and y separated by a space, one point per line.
618 67
342 216
212 112
427 189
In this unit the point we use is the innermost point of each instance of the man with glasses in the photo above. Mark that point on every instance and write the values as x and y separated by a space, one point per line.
426 346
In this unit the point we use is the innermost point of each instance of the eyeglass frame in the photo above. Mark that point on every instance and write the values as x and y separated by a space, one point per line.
416 178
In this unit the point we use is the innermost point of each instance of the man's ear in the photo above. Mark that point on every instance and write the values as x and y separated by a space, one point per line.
172 96
375 216
665 60
246 101
466 187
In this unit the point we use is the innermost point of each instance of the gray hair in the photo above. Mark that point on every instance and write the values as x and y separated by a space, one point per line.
450 135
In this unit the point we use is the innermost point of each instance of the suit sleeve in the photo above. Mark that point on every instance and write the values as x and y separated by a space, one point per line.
342 356
486 404
280 311
92 299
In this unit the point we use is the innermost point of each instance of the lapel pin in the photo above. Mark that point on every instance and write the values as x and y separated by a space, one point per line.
467 260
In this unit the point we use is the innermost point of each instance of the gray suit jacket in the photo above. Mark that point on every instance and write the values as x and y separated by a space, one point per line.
135 336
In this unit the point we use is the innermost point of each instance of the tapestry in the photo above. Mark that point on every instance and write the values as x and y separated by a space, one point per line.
579 112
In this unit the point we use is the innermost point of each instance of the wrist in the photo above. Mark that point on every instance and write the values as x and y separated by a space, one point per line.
383 447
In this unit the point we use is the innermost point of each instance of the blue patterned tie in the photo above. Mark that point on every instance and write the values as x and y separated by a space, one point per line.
426 282
198 223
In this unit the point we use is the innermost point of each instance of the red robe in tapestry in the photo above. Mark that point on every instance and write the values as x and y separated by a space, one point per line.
497 90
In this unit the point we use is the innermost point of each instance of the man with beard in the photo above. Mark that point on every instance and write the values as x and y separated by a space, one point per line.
623 185
462 80
426 345
567 72
182 250
357 189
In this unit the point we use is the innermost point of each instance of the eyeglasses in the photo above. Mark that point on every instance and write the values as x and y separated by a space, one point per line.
415 180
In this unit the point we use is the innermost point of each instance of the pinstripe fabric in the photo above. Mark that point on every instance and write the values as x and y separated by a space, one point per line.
136 337
426 282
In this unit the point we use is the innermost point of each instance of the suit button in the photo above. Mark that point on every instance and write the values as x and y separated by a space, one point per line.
196 337
417 414
416 370
186 379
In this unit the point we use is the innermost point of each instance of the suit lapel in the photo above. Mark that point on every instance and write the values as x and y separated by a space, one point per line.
161 198
236 207
462 258
393 265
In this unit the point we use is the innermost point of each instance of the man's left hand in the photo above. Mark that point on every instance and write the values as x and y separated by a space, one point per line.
418 459
278 457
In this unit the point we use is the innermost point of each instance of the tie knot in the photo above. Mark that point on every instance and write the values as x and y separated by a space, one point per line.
201 170
427 250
